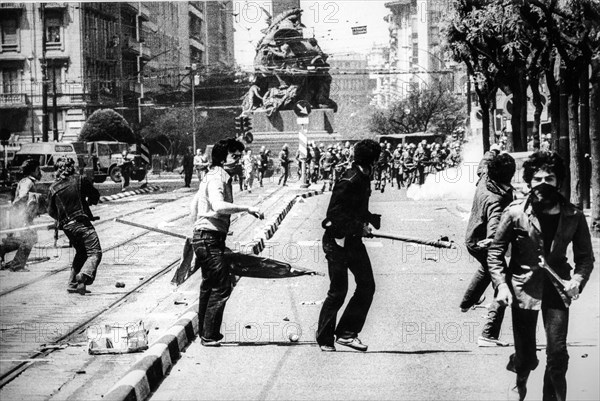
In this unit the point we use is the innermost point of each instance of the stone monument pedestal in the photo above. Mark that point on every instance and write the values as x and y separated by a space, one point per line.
282 127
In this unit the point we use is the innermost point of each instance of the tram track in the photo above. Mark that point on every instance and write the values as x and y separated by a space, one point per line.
34 356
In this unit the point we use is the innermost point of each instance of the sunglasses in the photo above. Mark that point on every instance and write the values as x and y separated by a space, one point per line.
236 156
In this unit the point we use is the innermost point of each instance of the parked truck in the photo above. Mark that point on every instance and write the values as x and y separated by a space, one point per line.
104 158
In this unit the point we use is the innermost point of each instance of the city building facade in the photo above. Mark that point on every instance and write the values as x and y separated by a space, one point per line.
66 60
414 57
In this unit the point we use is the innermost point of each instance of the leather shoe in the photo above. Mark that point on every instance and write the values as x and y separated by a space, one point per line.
353 343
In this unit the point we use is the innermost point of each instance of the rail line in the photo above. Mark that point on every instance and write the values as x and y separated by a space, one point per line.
15 371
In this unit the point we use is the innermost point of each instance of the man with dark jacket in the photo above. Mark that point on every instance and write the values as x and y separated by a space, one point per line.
347 221
188 166
284 161
538 277
68 203
494 193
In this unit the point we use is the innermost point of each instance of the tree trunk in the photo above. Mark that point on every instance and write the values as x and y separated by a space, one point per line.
515 123
584 134
523 120
595 144
553 105
537 115
574 142
563 134
485 117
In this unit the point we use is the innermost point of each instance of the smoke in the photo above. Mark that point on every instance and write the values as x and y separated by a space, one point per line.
453 183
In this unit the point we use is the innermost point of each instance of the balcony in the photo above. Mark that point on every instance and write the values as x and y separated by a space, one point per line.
13 100
131 46
12 6
145 53
56 6
196 44
144 12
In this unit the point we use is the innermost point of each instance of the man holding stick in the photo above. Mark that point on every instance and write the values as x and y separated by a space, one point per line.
211 209
539 229
347 221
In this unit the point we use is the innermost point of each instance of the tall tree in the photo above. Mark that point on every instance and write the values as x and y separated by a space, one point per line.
428 109
107 125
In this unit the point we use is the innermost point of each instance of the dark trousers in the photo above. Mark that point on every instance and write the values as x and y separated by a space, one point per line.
261 175
188 172
352 257
22 243
284 174
88 253
479 283
524 360
217 282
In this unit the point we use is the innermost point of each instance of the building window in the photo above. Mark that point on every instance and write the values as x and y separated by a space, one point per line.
53 30
10 34
9 80
55 73
60 126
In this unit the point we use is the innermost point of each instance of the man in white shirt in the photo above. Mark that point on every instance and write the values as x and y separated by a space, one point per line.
26 206
211 209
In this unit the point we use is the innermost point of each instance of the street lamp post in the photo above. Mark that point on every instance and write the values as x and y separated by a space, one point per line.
442 64
193 79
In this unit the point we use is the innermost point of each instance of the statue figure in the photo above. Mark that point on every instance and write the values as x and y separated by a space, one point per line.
288 68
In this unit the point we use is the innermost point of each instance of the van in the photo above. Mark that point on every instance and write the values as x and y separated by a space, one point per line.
46 153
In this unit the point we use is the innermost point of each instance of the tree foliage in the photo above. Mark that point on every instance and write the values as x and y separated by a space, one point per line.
429 109
169 131
107 125
515 45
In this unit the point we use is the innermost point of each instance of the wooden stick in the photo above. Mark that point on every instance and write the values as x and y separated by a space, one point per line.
437 244
32 227
158 230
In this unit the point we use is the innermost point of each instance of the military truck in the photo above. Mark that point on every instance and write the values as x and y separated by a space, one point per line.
104 159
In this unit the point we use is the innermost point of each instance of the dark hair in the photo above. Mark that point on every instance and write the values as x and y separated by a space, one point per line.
223 148
547 161
366 152
29 166
502 168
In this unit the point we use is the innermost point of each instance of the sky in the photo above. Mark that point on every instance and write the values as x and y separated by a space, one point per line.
331 22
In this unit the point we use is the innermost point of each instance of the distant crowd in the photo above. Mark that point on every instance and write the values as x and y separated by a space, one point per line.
400 166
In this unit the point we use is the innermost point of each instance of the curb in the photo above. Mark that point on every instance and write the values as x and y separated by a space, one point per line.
147 373
258 245
126 194
152 367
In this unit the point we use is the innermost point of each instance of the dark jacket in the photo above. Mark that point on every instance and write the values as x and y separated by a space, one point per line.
348 209
520 228
69 199
489 202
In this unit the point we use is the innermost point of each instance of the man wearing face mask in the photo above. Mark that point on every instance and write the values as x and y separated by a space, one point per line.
538 277
347 221
211 209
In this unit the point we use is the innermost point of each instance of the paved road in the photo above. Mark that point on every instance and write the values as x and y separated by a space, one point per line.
41 312
420 345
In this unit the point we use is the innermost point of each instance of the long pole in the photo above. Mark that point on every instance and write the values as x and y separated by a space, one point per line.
45 116
193 76
54 106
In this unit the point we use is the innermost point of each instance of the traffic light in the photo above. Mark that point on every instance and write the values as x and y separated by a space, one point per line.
239 125
247 124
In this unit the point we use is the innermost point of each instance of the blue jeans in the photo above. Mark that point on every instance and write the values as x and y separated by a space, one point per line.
352 257
479 283
524 360
217 282
88 253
